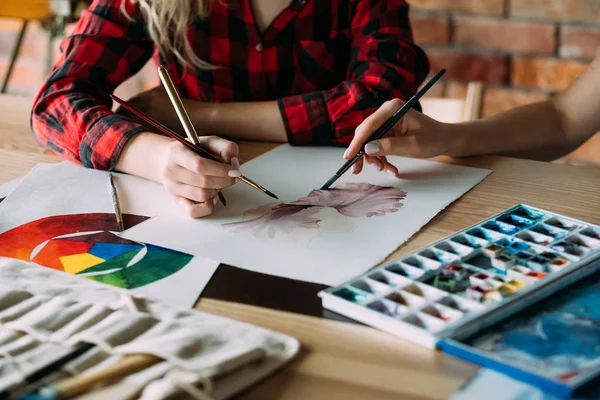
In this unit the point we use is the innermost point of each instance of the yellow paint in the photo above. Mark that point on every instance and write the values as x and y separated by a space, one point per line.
78 262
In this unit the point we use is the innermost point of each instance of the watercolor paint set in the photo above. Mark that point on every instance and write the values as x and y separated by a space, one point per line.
482 294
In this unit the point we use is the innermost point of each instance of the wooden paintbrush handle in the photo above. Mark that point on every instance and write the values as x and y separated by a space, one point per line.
79 384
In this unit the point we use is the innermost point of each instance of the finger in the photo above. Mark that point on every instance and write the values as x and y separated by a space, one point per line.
224 149
370 125
193 162
195 210
375 162
388 167
179 174
190 192
407 146
357 167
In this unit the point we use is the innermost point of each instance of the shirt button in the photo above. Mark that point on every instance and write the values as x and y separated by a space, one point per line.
258 47
302 1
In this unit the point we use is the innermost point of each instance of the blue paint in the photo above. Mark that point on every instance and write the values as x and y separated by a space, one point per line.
352 294
483 234
501 227
528 213
106 251
519 246
559 336
466 240
516 221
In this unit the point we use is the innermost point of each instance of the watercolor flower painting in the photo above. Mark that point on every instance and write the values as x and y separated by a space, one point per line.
321 211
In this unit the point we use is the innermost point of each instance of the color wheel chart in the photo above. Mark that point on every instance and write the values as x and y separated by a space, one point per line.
84 244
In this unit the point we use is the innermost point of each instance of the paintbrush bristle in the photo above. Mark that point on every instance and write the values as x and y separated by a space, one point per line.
270 194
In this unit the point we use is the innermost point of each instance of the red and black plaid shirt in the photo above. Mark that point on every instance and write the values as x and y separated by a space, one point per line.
328 63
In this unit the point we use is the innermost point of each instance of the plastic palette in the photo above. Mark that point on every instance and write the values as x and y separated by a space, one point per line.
427 295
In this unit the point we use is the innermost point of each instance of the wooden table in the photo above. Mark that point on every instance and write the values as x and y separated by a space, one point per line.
350 361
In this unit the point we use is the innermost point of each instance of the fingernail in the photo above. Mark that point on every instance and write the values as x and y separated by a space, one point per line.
371 148
346 153
215 200
376 166
235 162
234 173
391 173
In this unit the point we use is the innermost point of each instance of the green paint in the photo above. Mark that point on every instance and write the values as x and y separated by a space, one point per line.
352 294
114 263
156 265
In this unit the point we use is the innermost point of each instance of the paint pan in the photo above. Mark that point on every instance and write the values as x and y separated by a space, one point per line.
389 308
551 231
405 270
390 279
584 241
371 286
516 220
569 248
591 233
455 248
422 263
352 294
469 241
501 227
562 223
439 256
425 321
485 234
406 299
527 212
534 237
442 312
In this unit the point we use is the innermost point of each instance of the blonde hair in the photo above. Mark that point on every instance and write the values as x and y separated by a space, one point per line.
168 22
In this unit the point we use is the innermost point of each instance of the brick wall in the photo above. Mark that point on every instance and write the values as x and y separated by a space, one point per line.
29 72
523 50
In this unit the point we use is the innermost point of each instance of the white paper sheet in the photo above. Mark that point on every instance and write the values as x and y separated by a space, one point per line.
62 216
334 249
7 187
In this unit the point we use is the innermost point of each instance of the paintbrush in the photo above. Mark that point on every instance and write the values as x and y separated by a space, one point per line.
32 380
71 387
384 128
116 206
196 149
182 113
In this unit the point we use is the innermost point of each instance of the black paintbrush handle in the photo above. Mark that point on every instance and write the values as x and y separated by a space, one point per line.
387 125
384 128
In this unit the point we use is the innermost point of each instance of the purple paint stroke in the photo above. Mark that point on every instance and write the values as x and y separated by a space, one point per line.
354 200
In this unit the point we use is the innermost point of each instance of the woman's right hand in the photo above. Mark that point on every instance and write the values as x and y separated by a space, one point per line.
415 135
192 180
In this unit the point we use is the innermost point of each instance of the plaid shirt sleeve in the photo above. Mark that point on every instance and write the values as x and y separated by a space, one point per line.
72 112
384 64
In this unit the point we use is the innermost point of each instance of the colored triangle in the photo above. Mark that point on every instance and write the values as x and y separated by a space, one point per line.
116 262
52 252
78 262
158 264
112 250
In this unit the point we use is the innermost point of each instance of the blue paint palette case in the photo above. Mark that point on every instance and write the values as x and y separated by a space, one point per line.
482 294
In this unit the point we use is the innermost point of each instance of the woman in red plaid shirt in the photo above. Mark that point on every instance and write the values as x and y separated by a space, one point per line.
301 71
